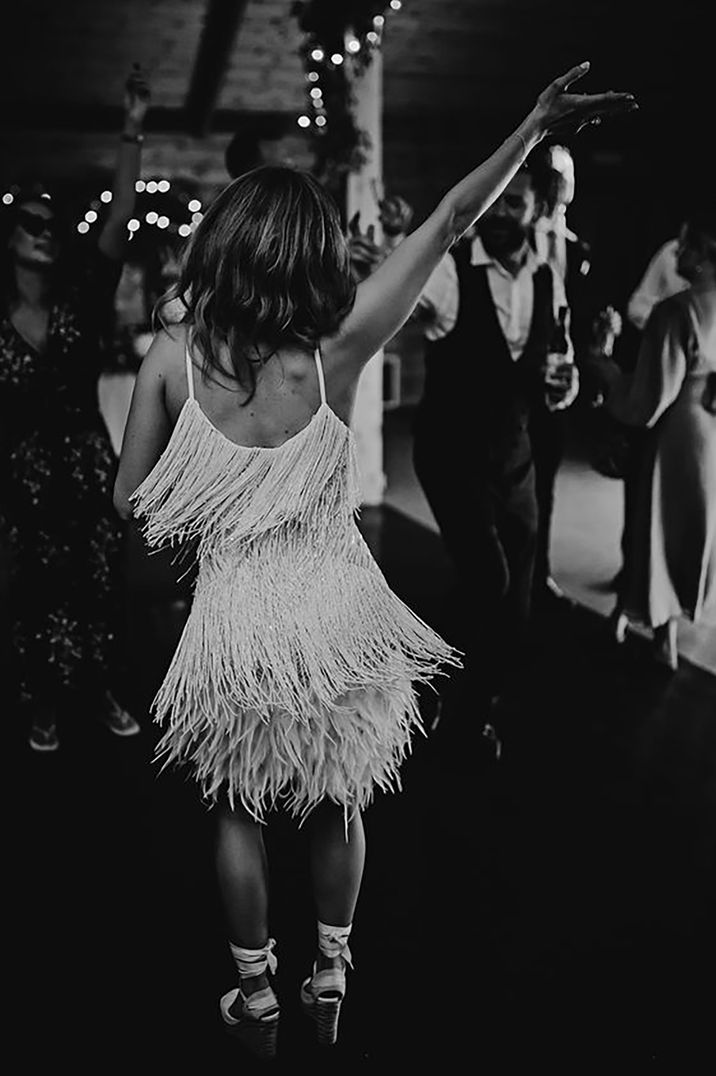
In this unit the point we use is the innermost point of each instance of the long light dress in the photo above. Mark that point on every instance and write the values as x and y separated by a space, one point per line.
672 560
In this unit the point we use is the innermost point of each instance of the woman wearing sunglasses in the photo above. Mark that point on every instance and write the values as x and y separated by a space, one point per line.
57 465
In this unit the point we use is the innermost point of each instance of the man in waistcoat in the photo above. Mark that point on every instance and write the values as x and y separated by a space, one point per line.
489 312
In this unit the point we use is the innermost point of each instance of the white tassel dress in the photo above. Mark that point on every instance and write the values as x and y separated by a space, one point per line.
293 679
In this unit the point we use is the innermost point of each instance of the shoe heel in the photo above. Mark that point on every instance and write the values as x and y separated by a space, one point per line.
326 1012
260 1037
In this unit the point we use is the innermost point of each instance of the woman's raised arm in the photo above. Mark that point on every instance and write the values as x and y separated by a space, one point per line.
386 299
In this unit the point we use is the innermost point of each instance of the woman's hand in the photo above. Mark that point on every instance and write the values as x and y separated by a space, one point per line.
137 96
395 215
560 112
364 253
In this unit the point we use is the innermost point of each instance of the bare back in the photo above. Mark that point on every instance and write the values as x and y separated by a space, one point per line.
287 395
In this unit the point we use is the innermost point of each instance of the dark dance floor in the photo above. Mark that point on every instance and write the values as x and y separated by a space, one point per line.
555 910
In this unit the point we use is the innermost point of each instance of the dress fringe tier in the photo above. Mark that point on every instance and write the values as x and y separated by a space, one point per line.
293 680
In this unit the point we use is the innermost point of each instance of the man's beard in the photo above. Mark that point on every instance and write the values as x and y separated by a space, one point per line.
501 235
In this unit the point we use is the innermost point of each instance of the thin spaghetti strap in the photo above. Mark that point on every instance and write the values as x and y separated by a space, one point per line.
189 373
319 370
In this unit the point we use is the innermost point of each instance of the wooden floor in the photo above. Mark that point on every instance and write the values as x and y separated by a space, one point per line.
556 909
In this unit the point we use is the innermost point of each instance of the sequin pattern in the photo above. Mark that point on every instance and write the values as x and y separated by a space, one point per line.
57 521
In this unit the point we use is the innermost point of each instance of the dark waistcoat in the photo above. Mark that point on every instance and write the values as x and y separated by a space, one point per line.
477 398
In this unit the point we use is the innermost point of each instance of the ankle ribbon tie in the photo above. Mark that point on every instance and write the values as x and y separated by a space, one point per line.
253 962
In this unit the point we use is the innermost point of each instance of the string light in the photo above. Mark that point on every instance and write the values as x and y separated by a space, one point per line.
7 199
166 220
329 72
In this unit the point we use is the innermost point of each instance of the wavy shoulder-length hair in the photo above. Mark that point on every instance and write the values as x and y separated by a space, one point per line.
267 268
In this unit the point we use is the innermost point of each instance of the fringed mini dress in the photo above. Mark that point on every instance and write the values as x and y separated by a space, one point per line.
294 678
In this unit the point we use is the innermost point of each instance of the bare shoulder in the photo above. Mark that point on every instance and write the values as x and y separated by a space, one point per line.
164 361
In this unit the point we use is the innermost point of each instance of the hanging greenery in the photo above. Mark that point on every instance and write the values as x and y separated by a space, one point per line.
340 38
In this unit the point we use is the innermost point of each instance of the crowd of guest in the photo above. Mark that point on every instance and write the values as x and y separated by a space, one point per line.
509 343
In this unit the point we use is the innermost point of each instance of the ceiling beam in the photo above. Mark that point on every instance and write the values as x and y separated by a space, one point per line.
100 119
221 27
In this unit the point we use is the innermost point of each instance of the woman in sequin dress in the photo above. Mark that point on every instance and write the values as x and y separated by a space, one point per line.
57 465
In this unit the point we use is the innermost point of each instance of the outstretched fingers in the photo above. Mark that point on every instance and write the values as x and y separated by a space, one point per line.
560 84
601 103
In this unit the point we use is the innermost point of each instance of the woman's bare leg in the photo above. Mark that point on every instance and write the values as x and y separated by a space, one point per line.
242 874
337 859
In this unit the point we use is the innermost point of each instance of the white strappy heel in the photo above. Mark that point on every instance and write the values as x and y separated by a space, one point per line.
322 995
257 1027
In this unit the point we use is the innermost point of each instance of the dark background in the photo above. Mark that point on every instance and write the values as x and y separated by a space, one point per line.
458 74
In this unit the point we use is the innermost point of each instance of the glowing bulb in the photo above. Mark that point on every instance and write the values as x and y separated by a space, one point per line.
396 5
353 45
337 59
163 222
303 121
196 217
105 196
7 199
83 227
90 216
140 186
312 76
133 224
184 230
151 187
317 54
163 185
152 217
320 121
194 205
315 93
378 20
372 37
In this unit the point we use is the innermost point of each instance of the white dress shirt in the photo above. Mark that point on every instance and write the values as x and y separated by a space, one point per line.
513 296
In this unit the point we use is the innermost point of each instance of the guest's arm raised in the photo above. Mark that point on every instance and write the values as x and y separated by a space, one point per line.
113 240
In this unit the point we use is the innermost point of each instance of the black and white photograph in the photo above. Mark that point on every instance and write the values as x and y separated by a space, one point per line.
358 535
